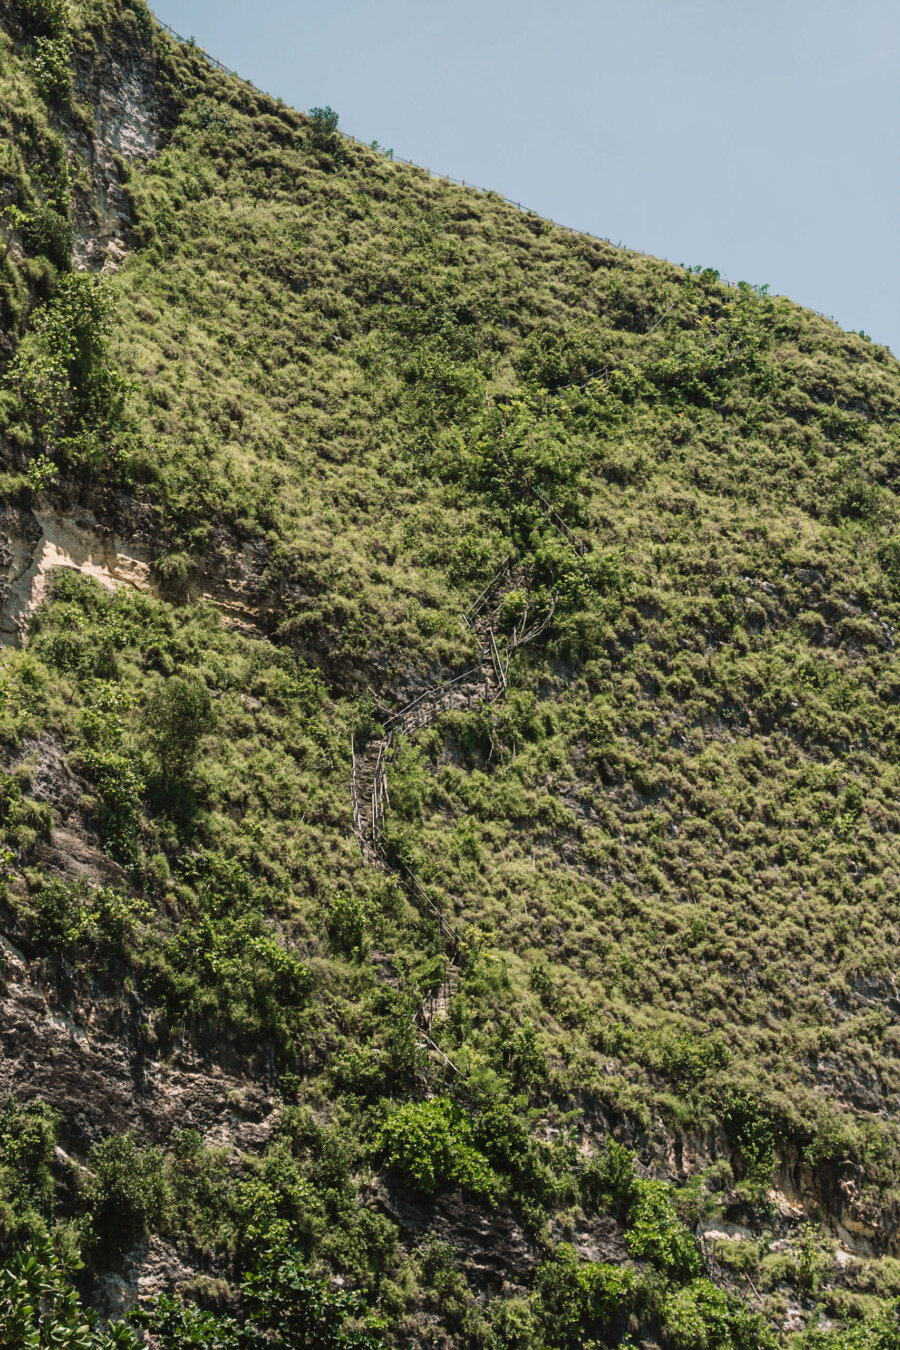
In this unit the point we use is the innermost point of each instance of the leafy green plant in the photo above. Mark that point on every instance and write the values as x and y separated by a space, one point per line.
348 918
656 1234
64 373
751 1131
431 1145
114 771
184 1326
52 67
287 1300
582 1299
51 16
126 1193
40 1309
68 916
47 229
703 1317
323 123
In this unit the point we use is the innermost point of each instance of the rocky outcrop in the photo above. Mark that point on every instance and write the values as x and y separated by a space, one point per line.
84 1040
115 546
121 89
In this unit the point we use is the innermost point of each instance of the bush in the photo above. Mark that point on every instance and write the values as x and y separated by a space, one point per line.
68 916
582 1299
27 1140
127 1192
52 67
878 1332
521 1054
608 1180
48 231
63 372
22 819
298 1309
46 16
431 1144
703 1317
752 1133
656 1234
853 497
39 1307
114 773
179 1326
289 1307
323 124
347 924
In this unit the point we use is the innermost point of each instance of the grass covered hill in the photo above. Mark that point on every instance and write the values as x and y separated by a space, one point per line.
593 1040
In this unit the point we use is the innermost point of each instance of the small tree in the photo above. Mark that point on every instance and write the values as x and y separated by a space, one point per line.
324 121
179 713
323 124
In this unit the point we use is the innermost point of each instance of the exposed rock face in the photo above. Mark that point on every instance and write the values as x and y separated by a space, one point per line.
84 1043
116 548
32 543
496 1248
126 108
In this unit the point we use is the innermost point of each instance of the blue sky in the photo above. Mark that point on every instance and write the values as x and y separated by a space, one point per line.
761 138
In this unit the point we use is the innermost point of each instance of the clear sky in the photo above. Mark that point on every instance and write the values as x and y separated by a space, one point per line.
760 137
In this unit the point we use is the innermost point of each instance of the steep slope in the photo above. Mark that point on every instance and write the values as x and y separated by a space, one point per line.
323 478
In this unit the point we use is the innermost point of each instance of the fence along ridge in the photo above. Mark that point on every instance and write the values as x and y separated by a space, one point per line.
446 177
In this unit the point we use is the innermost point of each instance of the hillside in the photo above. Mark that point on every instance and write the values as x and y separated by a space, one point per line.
448 751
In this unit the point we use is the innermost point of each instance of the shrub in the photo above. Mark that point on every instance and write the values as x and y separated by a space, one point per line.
521 1054
582 1299
704 1317
347 924
501 1131
63 371
22 820
853 497
47 16
296 1308
609 1179
126 1193
52 67
889 558
27 1140
880 1331
46 230
40 1307
288 1305
58 920
656 1234
323 123
184 1326
114 773
752 1133
431 1144
68 916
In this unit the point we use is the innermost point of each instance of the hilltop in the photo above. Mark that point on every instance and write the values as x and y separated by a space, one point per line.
448 717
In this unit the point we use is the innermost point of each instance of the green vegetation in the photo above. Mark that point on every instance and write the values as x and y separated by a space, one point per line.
669 849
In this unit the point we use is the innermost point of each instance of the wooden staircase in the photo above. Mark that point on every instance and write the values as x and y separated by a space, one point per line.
482 684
